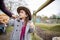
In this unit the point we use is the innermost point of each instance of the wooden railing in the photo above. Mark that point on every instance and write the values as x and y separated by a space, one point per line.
40 8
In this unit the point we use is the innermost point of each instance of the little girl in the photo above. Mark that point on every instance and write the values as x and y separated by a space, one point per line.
23 27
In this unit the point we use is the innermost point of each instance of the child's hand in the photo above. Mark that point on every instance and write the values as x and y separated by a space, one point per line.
32 25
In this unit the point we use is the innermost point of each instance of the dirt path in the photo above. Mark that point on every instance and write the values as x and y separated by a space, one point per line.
5 36
46 35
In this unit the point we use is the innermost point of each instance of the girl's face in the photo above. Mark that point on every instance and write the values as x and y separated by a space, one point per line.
22 14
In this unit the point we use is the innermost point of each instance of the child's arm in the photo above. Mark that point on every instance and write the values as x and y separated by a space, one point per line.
32 28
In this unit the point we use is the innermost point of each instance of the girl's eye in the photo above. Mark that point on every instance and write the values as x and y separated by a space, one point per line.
21 12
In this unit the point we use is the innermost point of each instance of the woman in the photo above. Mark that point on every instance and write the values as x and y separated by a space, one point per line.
23 27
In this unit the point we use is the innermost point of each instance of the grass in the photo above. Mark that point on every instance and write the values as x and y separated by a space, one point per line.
9 29
35 37
50 27
42 26
55 28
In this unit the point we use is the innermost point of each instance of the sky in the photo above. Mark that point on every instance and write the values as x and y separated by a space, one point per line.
51 9
33 5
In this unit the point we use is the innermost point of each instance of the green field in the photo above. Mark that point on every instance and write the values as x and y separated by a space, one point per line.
50 27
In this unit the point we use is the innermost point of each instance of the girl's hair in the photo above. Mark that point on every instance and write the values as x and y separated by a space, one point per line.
26 10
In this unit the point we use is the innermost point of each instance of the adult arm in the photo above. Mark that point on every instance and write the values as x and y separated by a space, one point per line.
4 9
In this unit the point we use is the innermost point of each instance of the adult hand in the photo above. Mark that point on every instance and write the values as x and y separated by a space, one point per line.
14 16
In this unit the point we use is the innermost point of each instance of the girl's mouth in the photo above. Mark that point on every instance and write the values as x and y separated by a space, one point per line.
20 18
